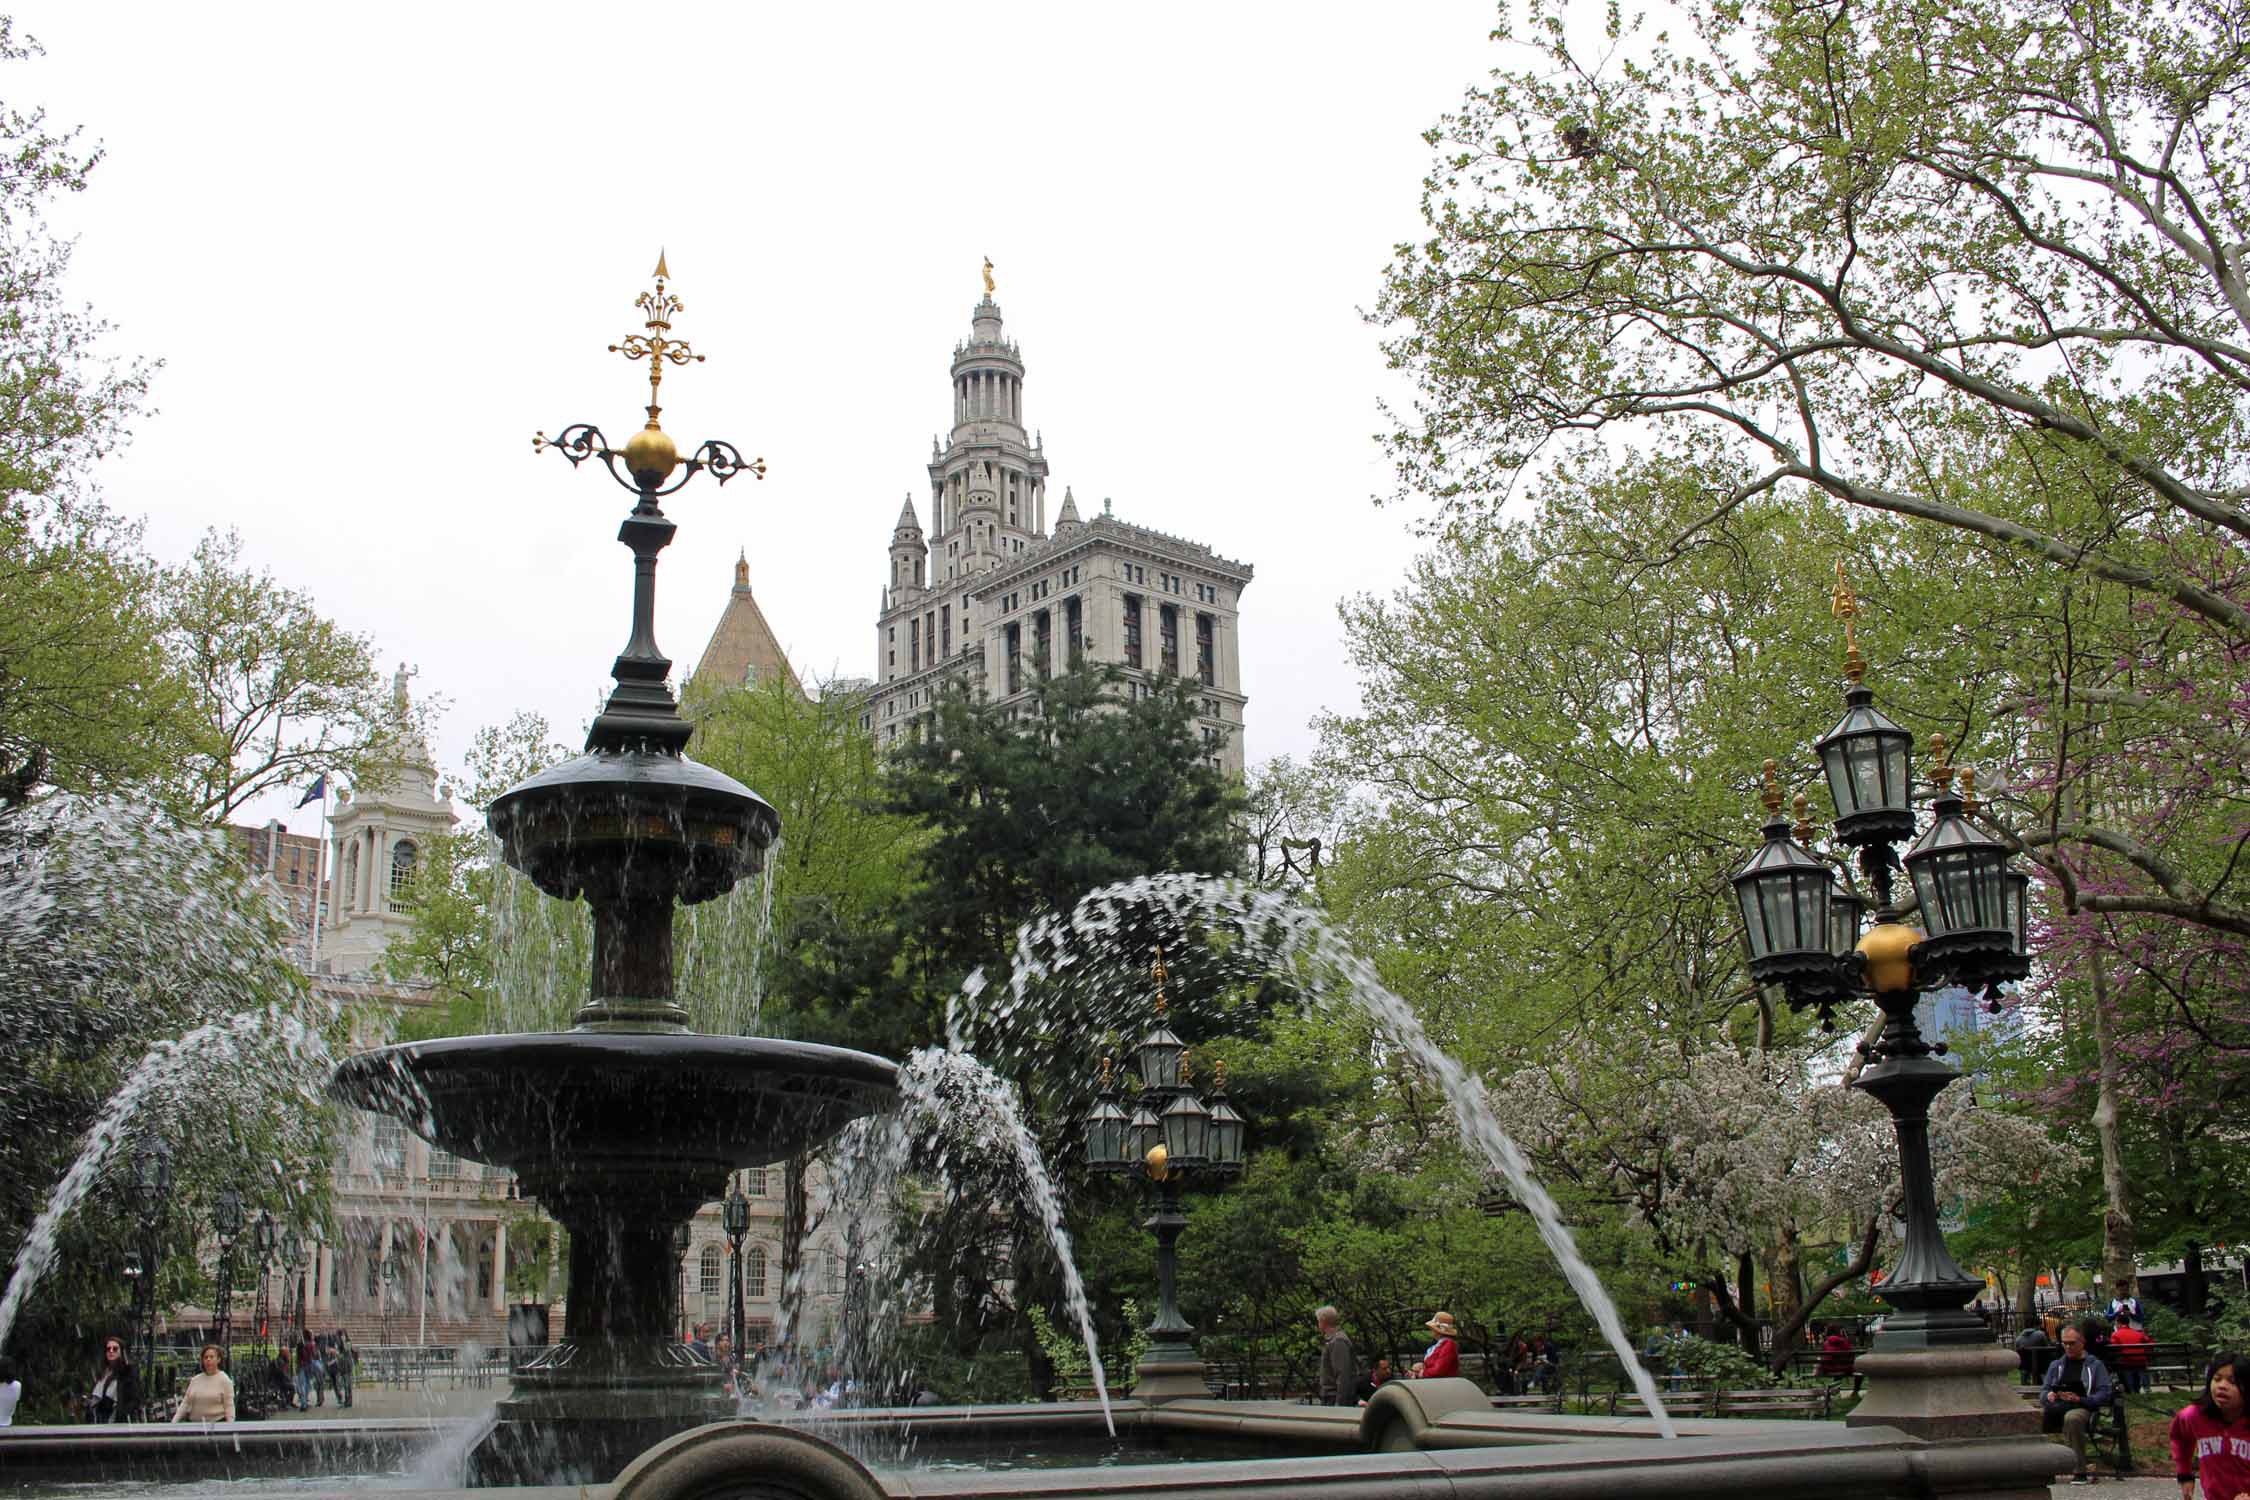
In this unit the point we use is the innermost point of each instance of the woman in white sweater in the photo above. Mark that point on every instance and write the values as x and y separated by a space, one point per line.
210 1394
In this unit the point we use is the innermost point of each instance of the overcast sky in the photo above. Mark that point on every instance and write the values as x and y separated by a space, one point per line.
376 247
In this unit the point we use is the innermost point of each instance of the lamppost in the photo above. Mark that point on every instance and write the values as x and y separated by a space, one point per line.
681 1237
152 1192
293 1293
226 1223
390 1287
1934 1370
1171 1138
261 1245
737 1221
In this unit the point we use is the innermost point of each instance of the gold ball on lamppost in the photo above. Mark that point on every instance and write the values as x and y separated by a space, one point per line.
651 456
1885 948
1159 1161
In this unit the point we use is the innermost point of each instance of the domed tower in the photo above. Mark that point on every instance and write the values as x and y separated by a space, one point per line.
992 464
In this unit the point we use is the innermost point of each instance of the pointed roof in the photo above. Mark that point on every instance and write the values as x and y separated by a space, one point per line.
1069 514
743 649
907 520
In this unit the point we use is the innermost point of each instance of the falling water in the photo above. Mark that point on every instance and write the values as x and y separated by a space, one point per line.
1249 933
161 1070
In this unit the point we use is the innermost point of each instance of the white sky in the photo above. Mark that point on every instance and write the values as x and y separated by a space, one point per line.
377 247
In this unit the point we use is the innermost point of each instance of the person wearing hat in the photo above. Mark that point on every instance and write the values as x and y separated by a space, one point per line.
1442 1358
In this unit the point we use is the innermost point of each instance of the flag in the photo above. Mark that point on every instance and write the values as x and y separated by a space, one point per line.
317 792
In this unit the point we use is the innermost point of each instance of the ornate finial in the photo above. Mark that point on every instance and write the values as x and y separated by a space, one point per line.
1803 808
988 278
1844 605
1187 1066
1219 1076
1969 790
1107 1064
1942 772
1771 795
657 345
741 568
1159 973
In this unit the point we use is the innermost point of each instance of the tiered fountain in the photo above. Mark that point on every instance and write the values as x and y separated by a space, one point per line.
628 1122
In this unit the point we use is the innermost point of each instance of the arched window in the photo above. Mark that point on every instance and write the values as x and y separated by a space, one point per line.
402 872
713 1282
754 1271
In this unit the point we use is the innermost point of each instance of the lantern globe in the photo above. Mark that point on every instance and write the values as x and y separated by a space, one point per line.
1846 910
226 1216
1159 1055
262 1236
1226 1134
1785 896
736 1215
1143 1135
1865 758
1187 1131
1108 1143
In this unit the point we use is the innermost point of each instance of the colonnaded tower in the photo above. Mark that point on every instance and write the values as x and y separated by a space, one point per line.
993 597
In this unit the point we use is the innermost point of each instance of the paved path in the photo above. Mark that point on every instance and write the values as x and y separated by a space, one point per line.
439 1398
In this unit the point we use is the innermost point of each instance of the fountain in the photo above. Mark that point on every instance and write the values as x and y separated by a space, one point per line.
628 1122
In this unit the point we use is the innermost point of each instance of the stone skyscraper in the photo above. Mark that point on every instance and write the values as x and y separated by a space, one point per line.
992 597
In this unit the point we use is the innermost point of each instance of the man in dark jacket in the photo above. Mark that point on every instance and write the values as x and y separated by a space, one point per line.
1339 1371
2077 1386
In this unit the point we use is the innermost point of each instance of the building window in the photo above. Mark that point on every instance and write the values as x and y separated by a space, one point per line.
1132 630
444 1165
1074 629
945 631
914 644
1042 641
1168 638
709 1274
1015 658
754 1272
389 1153
754 1182
1206 655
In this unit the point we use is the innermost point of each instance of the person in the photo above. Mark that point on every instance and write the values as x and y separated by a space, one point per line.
2035 1351
2077 1386
729 1367
1546 1370
210 1392
312 1380
341 1359
1836 1353
2211 1435
1339 1369
2129 1349
1377 1374
116 1396
699 1341
11 1392
2127 1312
1443 1358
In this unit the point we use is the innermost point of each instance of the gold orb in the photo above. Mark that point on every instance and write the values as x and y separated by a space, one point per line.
1158 1160
650 456
1885 947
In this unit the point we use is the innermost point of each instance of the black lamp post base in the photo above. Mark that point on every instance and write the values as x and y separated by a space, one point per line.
1944 1394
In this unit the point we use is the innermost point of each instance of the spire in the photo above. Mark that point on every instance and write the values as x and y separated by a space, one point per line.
907 520
1069 513
741 571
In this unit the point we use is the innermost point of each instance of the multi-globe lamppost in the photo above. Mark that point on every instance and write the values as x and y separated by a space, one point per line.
152 1192
226 1225
1171 1138
1801 918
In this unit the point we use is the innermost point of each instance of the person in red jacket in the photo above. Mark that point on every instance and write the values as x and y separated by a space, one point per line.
2129 1351
2211 1438
1443 1357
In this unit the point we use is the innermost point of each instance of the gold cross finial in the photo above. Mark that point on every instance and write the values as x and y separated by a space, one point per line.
988 278
1844 605
657 345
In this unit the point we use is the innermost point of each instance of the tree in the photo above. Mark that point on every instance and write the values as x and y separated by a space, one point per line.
281 693
1861 253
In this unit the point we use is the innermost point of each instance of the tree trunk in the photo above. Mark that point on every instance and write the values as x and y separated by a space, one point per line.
1785 1262
1746 1280
2120 1253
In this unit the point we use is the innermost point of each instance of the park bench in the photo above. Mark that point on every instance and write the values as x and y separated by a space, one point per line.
1807 1401
1676 1403
1551 1401
2108 1436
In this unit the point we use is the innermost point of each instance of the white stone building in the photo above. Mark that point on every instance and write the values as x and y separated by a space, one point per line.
993 597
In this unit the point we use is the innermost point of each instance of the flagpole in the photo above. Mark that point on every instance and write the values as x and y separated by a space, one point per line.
320 882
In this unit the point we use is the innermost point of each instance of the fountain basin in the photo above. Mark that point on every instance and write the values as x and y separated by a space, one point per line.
559 1107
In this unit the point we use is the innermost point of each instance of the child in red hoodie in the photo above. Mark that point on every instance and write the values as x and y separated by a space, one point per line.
2212 1437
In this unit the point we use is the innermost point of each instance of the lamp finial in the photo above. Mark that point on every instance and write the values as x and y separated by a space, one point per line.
1942 772
657 344
1969 790
1844 605
1803 831
1159 973
1770 796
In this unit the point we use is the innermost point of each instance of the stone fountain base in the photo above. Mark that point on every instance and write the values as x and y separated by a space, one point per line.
588 1434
